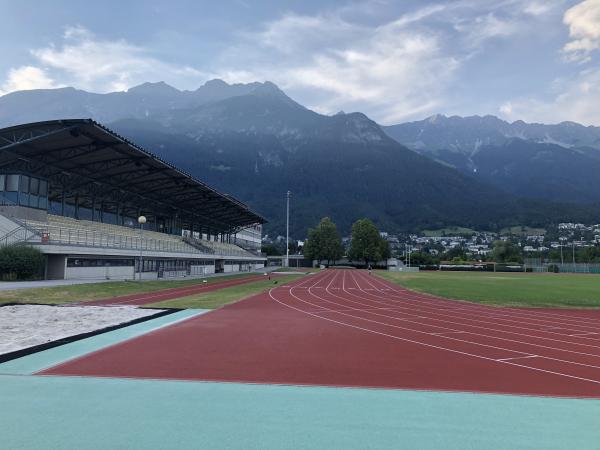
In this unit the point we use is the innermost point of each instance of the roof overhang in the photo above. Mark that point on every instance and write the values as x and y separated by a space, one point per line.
86 158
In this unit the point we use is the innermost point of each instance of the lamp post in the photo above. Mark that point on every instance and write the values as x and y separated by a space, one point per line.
141 221
287 232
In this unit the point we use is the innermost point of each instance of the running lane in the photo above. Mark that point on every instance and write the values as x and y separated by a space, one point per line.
146 298
347 328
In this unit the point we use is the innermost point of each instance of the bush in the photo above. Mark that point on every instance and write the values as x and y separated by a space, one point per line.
21 262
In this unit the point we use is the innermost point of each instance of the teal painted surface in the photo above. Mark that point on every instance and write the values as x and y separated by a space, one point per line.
42 360
91 413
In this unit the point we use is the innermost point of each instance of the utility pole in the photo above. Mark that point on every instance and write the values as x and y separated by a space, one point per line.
287 232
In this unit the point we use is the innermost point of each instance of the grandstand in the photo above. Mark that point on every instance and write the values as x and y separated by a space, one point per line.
75 190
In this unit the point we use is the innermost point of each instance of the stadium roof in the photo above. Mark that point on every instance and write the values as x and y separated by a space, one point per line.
88 160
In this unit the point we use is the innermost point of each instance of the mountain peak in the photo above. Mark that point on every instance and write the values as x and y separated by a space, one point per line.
436 118
159 87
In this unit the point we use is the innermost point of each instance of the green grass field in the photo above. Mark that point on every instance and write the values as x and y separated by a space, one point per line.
522 231
449 231
506 289
58 295
216 299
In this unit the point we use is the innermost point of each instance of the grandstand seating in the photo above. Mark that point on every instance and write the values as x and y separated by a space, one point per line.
66 230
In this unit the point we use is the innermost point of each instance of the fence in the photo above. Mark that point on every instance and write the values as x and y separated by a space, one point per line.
537 265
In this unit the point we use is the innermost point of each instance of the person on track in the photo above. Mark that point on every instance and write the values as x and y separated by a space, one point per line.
369 269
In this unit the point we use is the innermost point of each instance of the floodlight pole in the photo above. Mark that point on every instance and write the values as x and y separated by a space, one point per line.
141 221
287 232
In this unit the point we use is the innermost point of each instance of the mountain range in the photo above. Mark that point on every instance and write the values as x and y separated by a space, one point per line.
550 162
254 142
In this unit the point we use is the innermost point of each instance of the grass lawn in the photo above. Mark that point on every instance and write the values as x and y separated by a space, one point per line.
57 295
523 231
218 298
298 269
509 289
450 231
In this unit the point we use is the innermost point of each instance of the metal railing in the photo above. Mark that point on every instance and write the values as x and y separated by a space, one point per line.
217 248
55 234
18 235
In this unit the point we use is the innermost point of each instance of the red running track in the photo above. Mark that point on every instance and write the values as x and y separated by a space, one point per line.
346 328
146 298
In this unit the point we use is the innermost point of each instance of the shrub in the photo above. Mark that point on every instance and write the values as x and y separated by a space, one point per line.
21 262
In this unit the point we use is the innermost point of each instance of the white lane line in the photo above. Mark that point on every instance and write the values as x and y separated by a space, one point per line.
419 296
446 332
430 345
444 320
518 357
462 324
477 334
583 334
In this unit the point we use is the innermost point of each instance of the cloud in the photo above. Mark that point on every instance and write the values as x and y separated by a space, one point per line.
400 69
337 64
573 99
99 65
27 77
583 21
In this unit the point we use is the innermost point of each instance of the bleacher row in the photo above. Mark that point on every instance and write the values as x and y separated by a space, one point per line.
66 230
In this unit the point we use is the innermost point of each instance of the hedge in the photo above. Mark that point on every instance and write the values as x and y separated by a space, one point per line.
21 262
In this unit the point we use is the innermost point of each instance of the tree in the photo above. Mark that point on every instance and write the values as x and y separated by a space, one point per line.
312 246
384 248
505 251
324 242
271 250
366 243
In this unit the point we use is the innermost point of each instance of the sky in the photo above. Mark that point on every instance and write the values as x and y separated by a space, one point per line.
396 61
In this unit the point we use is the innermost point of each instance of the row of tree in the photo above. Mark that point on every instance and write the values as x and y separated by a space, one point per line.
325 244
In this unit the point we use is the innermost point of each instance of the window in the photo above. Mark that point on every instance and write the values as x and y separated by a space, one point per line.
12 183
2 180
43 188
24 183
99 262
34 186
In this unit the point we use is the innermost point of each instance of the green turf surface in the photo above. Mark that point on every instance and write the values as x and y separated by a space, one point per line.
220 297
57 295
510 289
103 413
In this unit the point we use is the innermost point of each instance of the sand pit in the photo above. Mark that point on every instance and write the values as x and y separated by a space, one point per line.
23 326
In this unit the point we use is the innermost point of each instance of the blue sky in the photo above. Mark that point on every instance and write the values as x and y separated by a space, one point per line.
536 60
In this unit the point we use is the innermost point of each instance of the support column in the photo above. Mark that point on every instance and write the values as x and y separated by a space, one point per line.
62 205
77 206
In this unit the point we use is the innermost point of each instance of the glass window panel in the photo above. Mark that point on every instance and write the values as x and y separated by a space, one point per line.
12 183
33 201
2 179
23 199
43 187
24 183
34 186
